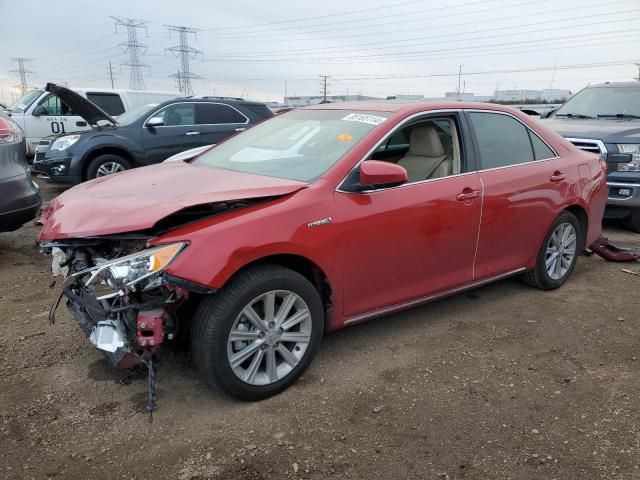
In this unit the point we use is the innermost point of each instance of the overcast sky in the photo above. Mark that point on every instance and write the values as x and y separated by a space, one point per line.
372 47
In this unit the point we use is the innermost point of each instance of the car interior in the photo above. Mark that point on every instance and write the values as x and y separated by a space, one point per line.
427 149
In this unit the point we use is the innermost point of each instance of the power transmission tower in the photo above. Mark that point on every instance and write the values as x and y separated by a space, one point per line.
110 74
22 71
135 49
323 86
638 77
185 53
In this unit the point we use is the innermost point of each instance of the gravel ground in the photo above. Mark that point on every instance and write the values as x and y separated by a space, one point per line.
505 382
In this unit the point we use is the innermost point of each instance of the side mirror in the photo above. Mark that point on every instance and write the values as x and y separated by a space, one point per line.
549 113
620 158
155 122
40 111
380 174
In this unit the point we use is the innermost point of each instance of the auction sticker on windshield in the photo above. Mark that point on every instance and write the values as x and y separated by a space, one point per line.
362 118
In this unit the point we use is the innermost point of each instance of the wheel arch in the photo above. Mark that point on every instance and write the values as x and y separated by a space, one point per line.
305 267
96 152
583 219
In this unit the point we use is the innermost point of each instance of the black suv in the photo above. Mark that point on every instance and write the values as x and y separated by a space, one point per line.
146 135
605 119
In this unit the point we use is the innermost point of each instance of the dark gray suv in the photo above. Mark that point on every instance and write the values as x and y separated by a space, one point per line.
605 119
146 135
19 194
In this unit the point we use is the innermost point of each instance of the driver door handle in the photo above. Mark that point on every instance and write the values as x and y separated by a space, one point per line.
468 194
558 176
192 133
241 129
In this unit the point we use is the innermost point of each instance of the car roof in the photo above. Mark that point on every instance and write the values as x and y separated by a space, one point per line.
230 100
393 107
616 84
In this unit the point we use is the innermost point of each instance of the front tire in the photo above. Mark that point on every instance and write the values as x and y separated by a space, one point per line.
558 254
633 220
106 164
259 333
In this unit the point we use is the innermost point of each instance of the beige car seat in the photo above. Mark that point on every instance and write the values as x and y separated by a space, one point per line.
426 157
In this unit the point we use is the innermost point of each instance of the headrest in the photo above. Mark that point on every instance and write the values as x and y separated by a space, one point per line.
425 142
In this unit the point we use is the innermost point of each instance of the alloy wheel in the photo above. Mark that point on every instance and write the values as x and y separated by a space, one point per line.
561 251
109 168
269 337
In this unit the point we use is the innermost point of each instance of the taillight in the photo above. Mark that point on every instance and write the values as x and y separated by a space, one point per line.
9 131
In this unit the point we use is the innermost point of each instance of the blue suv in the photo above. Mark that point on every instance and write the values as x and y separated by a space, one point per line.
144 136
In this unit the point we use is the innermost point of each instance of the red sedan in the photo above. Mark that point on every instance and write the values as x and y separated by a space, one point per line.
317 219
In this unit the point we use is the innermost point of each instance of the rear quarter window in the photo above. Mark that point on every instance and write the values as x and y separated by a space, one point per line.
109 102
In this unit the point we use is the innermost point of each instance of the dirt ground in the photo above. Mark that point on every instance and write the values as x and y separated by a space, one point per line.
505 382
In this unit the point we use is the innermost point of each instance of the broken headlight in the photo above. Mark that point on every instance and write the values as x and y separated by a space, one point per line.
124 273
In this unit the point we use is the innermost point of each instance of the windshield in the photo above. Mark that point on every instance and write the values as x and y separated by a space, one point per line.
133 115
602 102
25 101
298 145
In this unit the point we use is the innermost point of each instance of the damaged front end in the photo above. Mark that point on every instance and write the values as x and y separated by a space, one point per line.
118 293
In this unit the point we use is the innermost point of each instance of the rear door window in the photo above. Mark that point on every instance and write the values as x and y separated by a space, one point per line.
109 102
216 113
261 111
502 140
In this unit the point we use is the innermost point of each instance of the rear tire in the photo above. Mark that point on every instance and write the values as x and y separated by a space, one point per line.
633 220
106 164
558 254
247 352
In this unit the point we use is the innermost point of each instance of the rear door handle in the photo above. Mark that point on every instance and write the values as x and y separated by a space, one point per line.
241 129
192 133
468 194
558 176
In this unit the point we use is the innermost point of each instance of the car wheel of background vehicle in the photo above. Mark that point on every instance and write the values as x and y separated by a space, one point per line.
256 335
106 164
633 220
558 254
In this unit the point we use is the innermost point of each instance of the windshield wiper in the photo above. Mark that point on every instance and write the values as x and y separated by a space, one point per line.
619 115
573 115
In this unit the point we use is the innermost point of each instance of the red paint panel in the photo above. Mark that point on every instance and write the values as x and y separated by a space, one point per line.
403 243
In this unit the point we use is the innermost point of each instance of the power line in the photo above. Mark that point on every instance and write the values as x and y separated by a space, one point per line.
22 71
443 37
135 49
185 53
397 56
351 22
341 14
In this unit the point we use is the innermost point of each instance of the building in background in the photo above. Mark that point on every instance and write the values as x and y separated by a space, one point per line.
303 101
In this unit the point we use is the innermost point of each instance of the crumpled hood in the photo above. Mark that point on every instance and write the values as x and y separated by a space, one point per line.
609 131
137 199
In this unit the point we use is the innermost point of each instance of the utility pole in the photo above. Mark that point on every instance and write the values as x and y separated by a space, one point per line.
285 92
110 74
135 49
459 78
638 77
185 53
22 72
323 86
